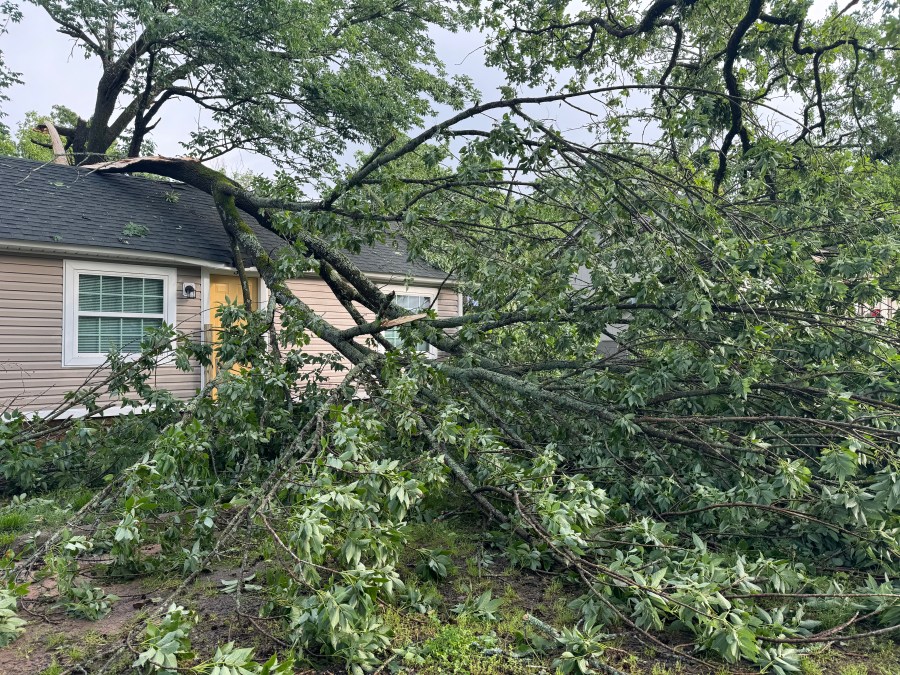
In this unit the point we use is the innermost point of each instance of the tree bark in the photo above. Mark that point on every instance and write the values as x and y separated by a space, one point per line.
56 144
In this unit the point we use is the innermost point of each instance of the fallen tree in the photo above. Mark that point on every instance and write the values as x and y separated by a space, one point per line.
726 463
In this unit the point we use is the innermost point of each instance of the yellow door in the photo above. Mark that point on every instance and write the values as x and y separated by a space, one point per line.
224 289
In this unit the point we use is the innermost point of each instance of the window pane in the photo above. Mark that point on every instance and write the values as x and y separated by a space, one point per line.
111 294
133 304
153 296
413 302
132 332
132 286
88 283
89 334
132 295
99 334
392 335
88 302
89 293
110 333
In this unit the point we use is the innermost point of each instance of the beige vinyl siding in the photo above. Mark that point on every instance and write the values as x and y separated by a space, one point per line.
31 336
316 294
447 303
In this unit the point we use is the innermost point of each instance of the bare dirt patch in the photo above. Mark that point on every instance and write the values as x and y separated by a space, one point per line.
53 636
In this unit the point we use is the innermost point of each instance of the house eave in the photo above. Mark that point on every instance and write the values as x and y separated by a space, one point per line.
115 254
102 253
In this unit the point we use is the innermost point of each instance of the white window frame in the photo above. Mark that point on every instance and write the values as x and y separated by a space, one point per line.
425 291
71 358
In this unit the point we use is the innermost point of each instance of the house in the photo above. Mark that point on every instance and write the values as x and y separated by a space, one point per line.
90 260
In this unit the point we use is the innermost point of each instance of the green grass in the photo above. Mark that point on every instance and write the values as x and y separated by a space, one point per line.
459 649
74 653
53 669
55 640
81 498
441 535
13 521
810 667
677 669
23 515
880 657
12 524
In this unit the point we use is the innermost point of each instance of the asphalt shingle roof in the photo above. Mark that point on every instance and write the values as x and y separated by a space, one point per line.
65 205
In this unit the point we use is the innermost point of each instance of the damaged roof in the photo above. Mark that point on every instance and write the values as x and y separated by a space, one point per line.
64 206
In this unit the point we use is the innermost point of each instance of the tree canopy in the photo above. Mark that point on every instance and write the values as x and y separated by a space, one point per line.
675 380
291 80
9 13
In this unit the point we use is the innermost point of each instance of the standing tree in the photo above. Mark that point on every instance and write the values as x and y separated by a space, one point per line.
737 446
294 81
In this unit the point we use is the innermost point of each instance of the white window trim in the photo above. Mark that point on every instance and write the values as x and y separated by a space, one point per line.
72 268
427 291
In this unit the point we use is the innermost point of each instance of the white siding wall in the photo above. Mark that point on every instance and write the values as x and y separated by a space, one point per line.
31 323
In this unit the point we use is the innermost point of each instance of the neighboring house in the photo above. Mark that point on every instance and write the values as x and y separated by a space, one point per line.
607 345
89 261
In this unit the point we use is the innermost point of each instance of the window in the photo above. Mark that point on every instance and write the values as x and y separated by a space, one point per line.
413 303
110 306
880 313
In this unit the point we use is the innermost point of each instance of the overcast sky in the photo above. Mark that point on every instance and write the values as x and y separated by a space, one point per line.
54 71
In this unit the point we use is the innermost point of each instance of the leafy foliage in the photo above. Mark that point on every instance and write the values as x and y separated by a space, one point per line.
11 626
88 602
9 13
434 564
291 80
167 644
482 608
